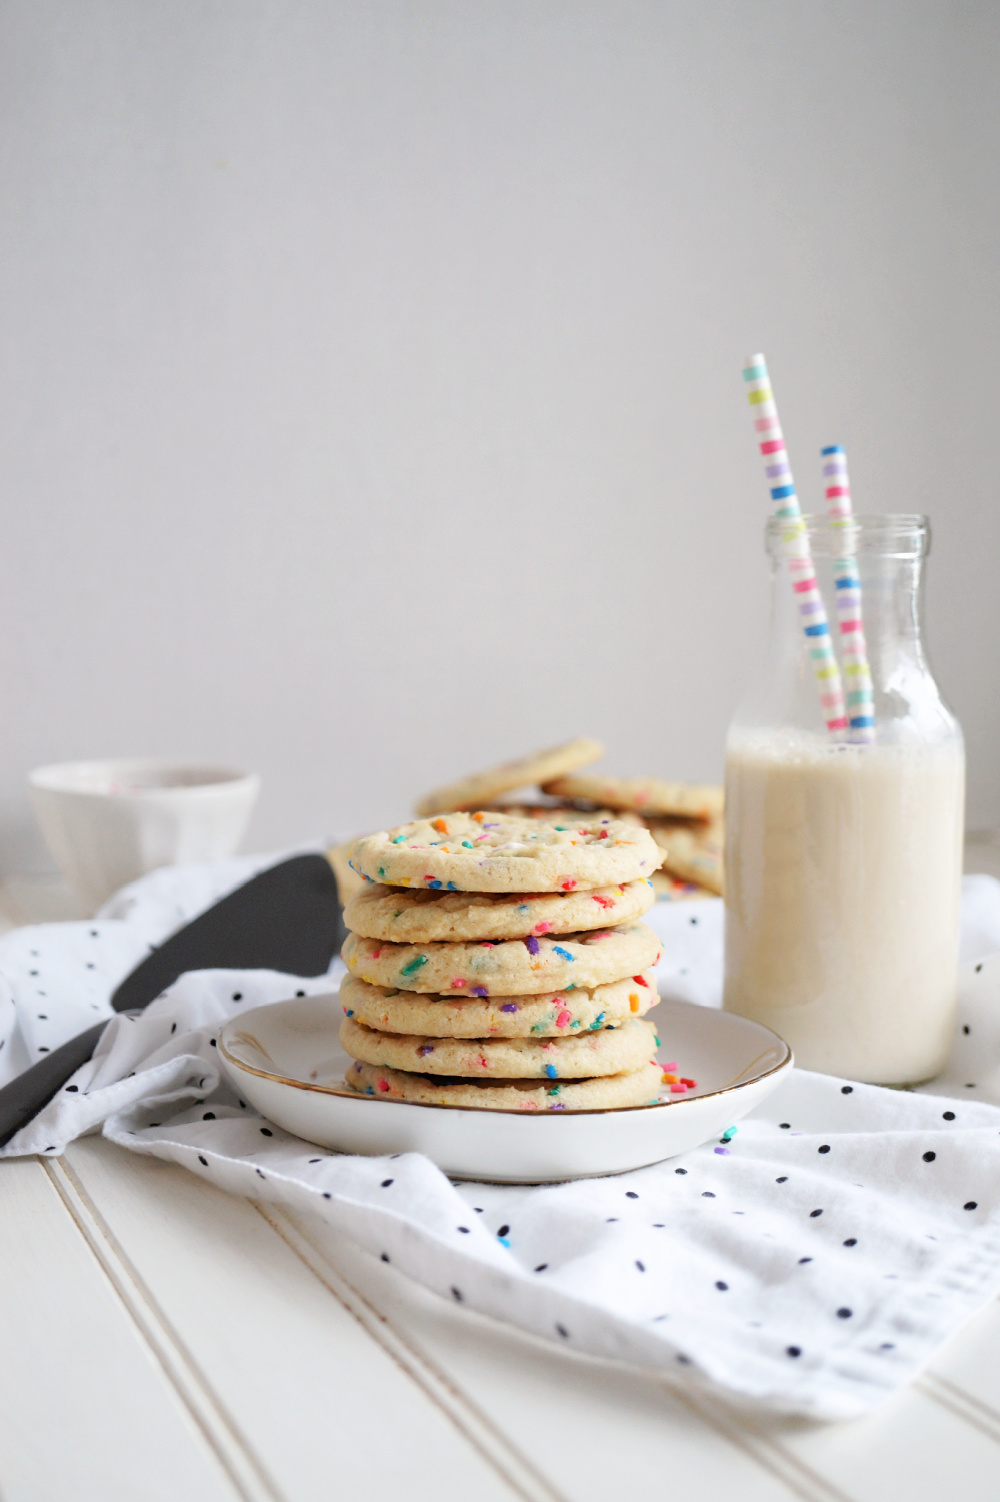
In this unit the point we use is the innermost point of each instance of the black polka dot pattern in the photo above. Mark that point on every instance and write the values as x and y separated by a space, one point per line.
816 1241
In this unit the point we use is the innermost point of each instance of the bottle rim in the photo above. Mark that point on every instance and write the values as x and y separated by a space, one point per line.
884 534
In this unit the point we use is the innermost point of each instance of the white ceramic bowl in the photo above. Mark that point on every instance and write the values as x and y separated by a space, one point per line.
288 1061
107 822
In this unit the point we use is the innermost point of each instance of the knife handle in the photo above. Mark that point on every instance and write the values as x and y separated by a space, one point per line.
25 1096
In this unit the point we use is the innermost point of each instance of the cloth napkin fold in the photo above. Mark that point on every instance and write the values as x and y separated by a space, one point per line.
811 1265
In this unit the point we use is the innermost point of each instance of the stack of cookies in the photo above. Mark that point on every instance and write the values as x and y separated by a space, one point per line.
499 962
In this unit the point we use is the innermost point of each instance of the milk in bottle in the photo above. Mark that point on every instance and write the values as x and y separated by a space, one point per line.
843 862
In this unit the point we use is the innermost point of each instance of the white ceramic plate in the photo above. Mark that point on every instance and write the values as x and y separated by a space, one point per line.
287 1060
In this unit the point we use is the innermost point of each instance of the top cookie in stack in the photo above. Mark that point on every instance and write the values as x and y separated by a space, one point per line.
498 962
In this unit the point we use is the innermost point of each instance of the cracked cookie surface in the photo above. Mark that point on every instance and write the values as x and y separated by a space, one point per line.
488 852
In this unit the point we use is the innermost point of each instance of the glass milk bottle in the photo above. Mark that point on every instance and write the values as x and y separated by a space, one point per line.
843 861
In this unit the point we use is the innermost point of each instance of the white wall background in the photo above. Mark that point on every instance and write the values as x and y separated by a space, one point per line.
370 403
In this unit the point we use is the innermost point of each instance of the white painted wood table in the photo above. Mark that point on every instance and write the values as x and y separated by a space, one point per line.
163 1340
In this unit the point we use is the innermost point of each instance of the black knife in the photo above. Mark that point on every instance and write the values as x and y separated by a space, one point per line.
287 918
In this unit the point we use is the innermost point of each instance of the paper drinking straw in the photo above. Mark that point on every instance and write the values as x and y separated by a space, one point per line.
857 672
796 543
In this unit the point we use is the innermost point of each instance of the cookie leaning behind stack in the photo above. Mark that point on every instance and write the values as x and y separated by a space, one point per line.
498 962
685 820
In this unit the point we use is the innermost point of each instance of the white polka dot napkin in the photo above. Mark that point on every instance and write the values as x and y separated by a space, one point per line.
809 1265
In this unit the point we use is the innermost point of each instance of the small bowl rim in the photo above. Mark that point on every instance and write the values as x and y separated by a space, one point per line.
57 777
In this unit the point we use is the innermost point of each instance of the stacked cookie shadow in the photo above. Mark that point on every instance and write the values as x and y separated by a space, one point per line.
499 962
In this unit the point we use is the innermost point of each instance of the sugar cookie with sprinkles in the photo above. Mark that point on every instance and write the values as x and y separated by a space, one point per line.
483 852
644 795
422 915
614 1092
511 967
555 1014
484 787
693 852
609 1050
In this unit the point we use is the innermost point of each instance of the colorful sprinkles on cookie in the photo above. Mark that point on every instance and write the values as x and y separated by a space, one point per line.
506 966
503 853
637 1087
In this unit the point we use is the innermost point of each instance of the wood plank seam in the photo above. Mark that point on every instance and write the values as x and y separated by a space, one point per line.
764 1452
516 1469
217 1428
956 1400
756 1445
769 1453
961 1403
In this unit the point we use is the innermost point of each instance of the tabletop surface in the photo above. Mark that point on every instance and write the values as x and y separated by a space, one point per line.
164 1340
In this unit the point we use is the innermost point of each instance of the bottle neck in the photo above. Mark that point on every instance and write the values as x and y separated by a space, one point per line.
891 611
872 589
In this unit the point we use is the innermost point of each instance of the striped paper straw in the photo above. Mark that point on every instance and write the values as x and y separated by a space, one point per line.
796 542
857 672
